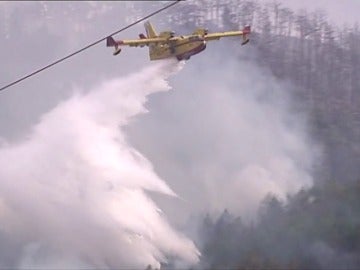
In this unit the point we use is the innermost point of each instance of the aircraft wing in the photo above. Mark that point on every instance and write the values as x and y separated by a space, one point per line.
135 42
244 33
214 36
110 42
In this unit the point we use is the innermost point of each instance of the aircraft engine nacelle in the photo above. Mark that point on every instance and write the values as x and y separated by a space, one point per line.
201 32
167 34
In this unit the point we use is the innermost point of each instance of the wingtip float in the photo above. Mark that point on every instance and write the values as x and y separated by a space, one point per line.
167 45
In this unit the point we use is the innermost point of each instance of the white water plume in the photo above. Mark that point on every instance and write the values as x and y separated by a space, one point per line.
74 193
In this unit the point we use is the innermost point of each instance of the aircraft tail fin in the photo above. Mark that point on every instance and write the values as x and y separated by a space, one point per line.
150 31
110 42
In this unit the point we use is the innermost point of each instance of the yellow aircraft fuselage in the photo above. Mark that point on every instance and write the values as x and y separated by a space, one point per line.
181 48
166 45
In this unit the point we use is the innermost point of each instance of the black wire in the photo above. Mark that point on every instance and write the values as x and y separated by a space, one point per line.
91 45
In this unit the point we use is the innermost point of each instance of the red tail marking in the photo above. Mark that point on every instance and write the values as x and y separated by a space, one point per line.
110 42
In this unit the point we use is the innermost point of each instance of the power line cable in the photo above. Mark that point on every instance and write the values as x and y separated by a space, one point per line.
90 45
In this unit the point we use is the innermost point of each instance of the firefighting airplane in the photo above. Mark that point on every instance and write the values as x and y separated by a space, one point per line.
166 44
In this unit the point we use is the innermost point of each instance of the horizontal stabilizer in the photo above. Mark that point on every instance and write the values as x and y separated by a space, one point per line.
117 51
245 41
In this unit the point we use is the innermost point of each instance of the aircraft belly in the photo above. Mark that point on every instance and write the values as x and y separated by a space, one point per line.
186 47
187 53
181 51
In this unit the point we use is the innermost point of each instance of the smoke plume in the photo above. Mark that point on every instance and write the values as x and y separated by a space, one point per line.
239 138
73 194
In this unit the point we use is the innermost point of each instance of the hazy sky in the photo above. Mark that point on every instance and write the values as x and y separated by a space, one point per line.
339 11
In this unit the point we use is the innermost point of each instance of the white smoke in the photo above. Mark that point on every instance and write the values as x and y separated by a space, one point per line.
74 193
239 138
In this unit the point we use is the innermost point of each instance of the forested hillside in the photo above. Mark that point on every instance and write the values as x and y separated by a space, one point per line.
317 228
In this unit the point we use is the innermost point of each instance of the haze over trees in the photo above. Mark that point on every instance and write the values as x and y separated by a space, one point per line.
318 228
